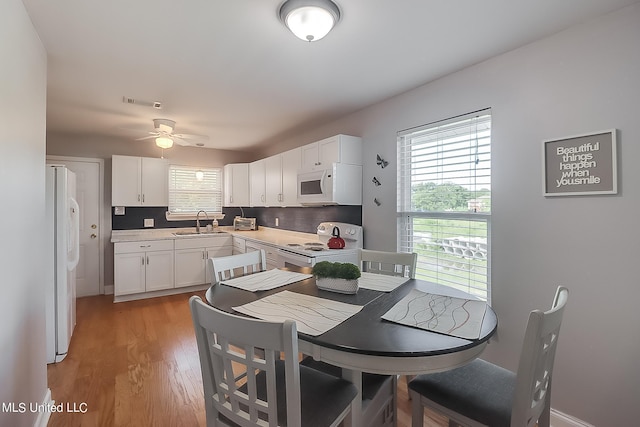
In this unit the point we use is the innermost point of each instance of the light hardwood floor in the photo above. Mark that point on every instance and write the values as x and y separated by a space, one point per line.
136 364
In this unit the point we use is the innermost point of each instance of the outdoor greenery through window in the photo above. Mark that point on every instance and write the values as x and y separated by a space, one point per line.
192 189
444 201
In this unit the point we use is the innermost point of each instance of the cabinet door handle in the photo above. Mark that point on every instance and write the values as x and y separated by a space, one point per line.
138 197
147 260
143 198
142 260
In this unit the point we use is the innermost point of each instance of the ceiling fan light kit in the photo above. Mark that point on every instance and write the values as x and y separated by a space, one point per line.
164 142
309 20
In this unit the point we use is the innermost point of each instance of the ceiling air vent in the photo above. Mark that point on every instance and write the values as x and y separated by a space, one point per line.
157 105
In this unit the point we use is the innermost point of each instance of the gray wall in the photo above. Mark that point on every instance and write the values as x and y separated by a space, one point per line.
581 80
23 77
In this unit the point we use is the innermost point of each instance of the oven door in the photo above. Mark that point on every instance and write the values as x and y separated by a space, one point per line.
290 259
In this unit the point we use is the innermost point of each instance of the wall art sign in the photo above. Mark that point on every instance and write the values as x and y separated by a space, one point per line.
580 165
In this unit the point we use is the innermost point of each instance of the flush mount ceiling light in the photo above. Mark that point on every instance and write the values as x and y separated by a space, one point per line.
309 20
164 142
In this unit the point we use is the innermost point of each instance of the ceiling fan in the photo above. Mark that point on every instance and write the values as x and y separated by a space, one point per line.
164 136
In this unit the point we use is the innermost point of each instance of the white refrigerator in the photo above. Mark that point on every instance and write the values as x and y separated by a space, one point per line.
63 227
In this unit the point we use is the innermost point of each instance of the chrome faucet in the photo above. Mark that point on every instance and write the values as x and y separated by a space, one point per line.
198 220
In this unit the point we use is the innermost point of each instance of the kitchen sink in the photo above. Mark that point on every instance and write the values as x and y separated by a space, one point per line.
195 233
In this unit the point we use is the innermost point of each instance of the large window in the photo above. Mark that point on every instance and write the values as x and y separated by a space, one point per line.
444 201
192 189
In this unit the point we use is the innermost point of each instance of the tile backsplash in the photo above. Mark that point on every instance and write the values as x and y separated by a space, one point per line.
303 219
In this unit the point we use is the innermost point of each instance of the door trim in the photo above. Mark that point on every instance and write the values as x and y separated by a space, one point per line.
102 234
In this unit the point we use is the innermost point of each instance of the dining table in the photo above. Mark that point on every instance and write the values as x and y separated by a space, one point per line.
365 342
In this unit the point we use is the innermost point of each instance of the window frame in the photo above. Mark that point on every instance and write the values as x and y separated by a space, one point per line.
407 213
217 193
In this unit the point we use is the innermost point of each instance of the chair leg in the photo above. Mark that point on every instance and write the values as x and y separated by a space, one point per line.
409 378
417 411
545 416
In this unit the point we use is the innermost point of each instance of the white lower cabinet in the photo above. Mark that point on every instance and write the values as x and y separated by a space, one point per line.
159 270
191 258
143 266
190 265
239 245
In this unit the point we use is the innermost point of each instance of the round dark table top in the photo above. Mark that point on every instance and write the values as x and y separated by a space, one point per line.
365 332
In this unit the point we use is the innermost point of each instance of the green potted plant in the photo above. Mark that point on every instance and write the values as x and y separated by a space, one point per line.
337 276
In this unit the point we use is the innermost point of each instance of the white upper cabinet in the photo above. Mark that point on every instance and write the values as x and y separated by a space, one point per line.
257 183
291 163
139 181
280 178
155 182
336 149
273 180
236 184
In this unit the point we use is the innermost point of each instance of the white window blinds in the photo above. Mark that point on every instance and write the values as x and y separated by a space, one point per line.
192 189
444 200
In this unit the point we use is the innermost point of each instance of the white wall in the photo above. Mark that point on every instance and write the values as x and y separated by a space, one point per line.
581 80
23 73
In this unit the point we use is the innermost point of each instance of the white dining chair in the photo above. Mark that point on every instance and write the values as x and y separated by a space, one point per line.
401 264
228 267
377 390
483 394
277 390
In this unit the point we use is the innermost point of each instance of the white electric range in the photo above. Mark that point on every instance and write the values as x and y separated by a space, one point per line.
310 253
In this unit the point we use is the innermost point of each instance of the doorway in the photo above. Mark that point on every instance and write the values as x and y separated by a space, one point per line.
90 182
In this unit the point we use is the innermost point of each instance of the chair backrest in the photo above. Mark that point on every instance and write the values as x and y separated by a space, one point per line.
220 336
401 264
228 267
533 385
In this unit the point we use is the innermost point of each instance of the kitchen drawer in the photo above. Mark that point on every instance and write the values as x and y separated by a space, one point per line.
239 245
143 246
203 242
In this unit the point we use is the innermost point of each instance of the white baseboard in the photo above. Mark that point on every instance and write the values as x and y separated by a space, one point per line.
108 289
43 416
559 419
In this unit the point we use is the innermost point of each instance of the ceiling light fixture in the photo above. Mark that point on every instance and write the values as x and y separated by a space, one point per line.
309 20
164 142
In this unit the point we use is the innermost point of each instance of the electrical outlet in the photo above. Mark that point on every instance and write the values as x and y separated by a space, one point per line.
277 222
148 222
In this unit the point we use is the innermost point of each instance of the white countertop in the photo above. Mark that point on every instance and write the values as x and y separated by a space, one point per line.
276 236
273 236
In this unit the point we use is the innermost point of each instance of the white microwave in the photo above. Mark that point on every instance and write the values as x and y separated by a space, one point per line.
339 185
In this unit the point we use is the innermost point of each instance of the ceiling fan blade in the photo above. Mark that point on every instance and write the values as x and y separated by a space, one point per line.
188 143
146 137
190 136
